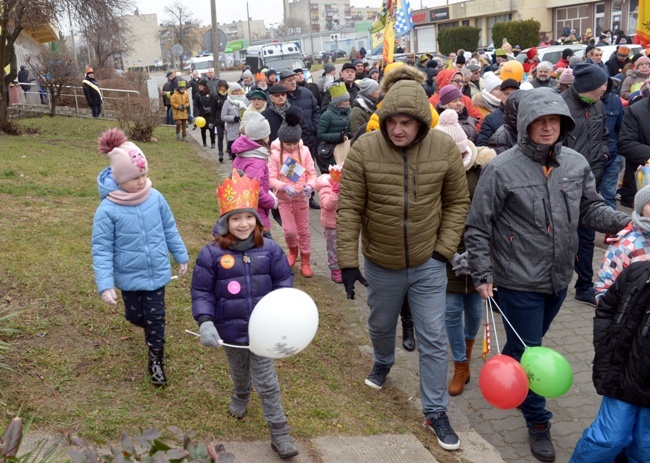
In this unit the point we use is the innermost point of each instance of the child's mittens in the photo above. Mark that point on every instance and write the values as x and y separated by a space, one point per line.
307 190
336 186
182 270
109 296
209 335
275 199
290 191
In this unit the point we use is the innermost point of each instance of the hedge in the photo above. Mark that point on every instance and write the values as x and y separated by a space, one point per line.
451 39
522 33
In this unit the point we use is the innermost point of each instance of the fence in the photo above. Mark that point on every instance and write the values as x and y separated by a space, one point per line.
37 97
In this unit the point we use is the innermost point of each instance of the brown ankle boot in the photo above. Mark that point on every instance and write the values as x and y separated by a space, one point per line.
461 377
305 269
469 344
292 257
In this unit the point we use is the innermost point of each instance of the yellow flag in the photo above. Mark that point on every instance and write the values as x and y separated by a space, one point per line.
643 24
389 32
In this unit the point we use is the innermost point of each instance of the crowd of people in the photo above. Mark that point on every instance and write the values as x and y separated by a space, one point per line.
452 178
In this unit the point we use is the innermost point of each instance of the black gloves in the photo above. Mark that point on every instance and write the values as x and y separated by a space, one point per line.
236 118
349 277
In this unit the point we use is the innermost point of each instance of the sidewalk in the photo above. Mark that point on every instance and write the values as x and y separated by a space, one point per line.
487 434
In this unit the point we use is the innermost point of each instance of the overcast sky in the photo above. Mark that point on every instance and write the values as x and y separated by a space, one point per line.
234 10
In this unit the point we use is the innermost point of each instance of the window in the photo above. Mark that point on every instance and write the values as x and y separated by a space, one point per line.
599 20
576 17
633 17
491 21
617 8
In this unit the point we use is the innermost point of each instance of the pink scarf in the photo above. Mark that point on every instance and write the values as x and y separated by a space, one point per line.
123 198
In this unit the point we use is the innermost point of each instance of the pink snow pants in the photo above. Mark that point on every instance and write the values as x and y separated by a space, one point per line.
295 223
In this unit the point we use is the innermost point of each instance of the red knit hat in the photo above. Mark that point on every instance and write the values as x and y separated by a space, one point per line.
530 54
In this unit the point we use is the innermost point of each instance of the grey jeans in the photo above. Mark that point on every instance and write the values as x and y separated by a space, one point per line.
425 285
246 366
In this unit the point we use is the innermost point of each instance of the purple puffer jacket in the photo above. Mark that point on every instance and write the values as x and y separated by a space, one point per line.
227 284
252 159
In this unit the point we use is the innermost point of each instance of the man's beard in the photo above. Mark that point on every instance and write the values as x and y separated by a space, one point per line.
543 78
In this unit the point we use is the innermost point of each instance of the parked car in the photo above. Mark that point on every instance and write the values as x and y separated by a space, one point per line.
553 53
325 57
337 52
609 50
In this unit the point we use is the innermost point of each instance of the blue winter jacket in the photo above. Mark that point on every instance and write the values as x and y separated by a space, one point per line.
227 284
614 111
131 244
491 123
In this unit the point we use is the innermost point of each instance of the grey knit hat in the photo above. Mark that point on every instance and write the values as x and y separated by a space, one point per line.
368 86
256 127
641 198
290 130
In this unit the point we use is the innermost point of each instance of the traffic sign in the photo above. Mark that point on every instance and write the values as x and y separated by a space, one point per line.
177 49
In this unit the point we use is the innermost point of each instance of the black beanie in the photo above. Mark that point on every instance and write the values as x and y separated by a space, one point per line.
290 130
460 59
588 77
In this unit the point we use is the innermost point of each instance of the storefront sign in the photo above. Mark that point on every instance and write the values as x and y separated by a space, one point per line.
418 18
439 14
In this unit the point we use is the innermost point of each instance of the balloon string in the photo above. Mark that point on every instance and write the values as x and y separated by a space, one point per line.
508 321
223 344
494 325
236 347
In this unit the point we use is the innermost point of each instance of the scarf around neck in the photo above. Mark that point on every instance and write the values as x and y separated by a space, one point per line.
244 245
123 198
281 110
491 102
643 223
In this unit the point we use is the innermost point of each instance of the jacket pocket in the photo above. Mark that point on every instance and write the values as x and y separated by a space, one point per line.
572 196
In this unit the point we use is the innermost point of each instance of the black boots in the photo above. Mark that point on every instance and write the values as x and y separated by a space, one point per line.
408 335
155 366
281 441
539 436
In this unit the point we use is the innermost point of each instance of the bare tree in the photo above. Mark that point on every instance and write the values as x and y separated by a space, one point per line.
17 16
179 27
54 71
107 39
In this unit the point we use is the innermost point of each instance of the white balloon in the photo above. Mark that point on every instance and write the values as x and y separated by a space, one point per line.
283 323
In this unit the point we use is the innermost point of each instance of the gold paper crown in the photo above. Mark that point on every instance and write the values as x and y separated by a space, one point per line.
338 90
238 193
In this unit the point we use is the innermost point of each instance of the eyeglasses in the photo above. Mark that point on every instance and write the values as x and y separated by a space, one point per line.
457 82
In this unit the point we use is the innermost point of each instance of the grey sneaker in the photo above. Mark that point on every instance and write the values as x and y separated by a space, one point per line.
377 376
439 424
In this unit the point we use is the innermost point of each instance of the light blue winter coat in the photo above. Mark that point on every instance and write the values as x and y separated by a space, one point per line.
131 244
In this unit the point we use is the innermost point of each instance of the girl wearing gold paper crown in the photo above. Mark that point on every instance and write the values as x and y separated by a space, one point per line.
230 277
293 175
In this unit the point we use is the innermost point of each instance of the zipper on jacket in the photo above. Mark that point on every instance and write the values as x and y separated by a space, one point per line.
247 268
566 202
406 208
625 304
548 222
415 185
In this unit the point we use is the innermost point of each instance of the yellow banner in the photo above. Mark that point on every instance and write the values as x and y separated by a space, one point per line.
389 41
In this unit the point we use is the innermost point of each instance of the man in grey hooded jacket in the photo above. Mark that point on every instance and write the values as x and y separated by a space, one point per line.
522 233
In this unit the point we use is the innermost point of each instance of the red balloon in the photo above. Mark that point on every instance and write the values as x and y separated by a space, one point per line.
503 382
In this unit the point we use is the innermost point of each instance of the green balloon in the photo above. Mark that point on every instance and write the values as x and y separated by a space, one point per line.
549 373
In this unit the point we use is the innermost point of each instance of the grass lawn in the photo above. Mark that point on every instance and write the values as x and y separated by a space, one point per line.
78 365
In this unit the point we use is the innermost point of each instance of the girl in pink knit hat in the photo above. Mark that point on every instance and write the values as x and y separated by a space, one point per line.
133 234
